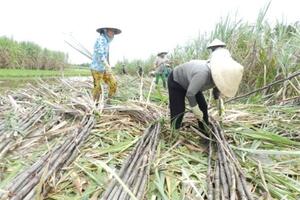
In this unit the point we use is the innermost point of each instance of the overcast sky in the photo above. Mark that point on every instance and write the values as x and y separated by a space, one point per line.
148 26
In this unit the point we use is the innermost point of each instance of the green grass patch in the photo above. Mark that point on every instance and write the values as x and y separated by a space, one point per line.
15 73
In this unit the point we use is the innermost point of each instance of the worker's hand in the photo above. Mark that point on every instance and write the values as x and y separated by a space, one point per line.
197 112
107 67
221 107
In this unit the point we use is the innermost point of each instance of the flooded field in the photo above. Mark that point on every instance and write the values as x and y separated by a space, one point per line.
7 85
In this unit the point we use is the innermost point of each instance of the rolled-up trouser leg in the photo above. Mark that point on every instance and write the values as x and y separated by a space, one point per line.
110 80
97 79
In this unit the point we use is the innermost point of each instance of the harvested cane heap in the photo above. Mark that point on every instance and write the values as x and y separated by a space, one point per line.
55 144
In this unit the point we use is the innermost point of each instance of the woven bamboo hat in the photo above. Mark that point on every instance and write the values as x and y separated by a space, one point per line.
226 72
162 53
216 43
115 30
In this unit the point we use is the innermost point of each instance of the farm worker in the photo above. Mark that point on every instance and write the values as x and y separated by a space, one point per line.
123 69
160 65
140 70
226 72
100 66
190 79
167 71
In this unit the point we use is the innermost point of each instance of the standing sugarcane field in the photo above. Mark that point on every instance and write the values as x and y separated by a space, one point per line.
216 117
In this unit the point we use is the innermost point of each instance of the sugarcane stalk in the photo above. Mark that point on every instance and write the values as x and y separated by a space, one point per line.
139 163
234 159
140 176
156 141
248 194
63 158
225 164
130 175
240 188
223 177
24 126
222 193
235 162
209 175
142 187
80 45
20 180
217 181
233 185
131 172
130 161
134 176
31 182
142 182
5 148
129 164
79 50
57 159
238 167
226 177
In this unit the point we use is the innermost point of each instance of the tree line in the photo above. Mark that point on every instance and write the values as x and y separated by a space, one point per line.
28 55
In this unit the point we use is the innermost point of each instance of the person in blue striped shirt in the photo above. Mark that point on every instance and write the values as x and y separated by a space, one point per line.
100 66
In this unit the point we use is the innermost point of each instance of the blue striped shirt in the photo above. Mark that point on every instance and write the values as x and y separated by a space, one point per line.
101 49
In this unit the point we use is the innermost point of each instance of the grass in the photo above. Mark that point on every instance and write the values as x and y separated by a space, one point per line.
27 73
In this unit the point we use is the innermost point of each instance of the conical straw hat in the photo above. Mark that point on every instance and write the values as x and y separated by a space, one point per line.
162 53
226 72
115 30
216 43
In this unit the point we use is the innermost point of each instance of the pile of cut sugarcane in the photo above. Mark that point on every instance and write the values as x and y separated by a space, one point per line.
57 144
227 180
135 171
36 115
30 181
45 114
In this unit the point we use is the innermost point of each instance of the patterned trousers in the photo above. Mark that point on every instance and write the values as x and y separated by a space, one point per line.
107 78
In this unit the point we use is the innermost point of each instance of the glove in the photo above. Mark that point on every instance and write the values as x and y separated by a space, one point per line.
197 112
221 107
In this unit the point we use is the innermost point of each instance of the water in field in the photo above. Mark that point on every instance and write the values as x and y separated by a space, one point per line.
17 83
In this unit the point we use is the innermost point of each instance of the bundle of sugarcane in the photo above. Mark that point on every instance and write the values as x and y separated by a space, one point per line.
27 184
23 123
134 173
142 112
25 113
228 180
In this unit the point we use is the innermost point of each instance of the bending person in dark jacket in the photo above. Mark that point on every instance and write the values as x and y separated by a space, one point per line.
189 80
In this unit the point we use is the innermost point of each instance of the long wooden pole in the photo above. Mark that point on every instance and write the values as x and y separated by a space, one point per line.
265 87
